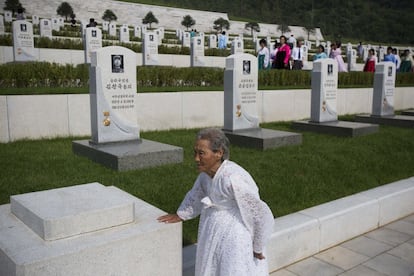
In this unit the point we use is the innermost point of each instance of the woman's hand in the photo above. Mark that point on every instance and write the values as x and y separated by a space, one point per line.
170 218
259 256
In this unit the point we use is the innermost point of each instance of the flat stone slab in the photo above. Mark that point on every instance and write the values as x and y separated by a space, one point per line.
409 112
65 212
396 120
130 155
338 128
262 138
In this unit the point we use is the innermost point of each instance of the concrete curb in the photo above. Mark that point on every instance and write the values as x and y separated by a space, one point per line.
310 231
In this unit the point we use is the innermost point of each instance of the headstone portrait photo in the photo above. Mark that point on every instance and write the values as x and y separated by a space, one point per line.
117 63
246 67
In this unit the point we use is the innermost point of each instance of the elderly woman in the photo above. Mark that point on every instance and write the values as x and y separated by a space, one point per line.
234 224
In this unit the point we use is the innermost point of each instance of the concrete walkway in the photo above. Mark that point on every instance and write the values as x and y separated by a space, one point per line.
388 250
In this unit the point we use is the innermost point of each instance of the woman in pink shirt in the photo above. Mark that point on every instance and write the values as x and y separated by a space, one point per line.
283 55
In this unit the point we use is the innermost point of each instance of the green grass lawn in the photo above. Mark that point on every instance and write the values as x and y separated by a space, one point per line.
290 179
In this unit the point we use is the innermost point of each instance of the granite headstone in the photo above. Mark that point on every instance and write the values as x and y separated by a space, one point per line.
23 43
8 16
93 41
212 41
237 46
35 20
124 34
185 40
112 29
55 24
150 49
384 86
137 31
197 52
46 28
105 26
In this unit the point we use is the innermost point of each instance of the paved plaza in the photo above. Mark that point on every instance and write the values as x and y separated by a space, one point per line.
388 250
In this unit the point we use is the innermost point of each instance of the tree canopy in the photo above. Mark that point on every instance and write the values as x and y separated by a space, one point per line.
109 15
221 24
253 27
188 21
13 6
149 19
65 9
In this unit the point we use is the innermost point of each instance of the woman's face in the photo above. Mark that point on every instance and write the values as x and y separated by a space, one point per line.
282 40
206 160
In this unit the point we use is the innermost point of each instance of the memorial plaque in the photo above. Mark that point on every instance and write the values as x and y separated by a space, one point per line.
93 41
124 34
8 16
150 49
384 86
46 28
23 43
55 24
197 52
324 91
1 24
112 29
137 31
212 41
113 95
240 93
237 46
185 40
35 20
105 26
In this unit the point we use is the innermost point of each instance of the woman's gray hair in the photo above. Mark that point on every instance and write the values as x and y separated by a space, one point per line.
218 140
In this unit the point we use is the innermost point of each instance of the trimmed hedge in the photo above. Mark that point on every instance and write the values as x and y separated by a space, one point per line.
43 74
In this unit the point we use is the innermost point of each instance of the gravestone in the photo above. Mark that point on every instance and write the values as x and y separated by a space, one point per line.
93 41
197 52
305 57
324 116
161 33
158 34
328 48
87 229
150 49
178 33
237 46
203 36
137 31
105 26
83 26
112 29
46 28
241 36
365 52
241 114
351 56
383 99
35 20
269 39
143 30
257 45
212 41
317 42
61 22
1 24
115 140
348 46
124 34
308 44
23 43
8 16
185 40
55 24
381 53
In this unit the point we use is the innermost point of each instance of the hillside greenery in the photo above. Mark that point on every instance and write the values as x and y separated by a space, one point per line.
360 20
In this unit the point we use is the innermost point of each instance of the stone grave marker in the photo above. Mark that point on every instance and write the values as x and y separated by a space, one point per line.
324 115
55 24
46 28
197 52
35 20
112 29
137 31
381 53
237 46
178 33
8 16
150 49
93 41
1 24
159 37
328 48
241 112
305 56
124 34
105 26
162 33
143 30
185 40
61 22
115 140
212 41
351 56
23 43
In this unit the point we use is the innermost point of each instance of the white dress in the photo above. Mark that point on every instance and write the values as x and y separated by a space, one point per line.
234 222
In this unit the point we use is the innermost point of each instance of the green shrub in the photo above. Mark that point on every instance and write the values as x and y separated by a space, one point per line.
58 43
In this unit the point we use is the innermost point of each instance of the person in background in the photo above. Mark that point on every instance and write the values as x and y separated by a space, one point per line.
389 56
336 55
371 61
397 59
20 14
297 56
283 55
407 62
263 55
73 20
192 33
222 41
291 41
360 49
320 54
235 224
273 53
92 23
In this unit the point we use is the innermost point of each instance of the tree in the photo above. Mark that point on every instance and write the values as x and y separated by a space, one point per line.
13 6
253 26
109 15
65 9
283 28
220 24
188 21
309 30
149 19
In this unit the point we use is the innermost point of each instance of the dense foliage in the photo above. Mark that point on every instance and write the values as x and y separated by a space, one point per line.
365 20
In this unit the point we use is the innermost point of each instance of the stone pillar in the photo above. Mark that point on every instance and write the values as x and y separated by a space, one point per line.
384 86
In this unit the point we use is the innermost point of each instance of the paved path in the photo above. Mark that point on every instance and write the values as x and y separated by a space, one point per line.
388 250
